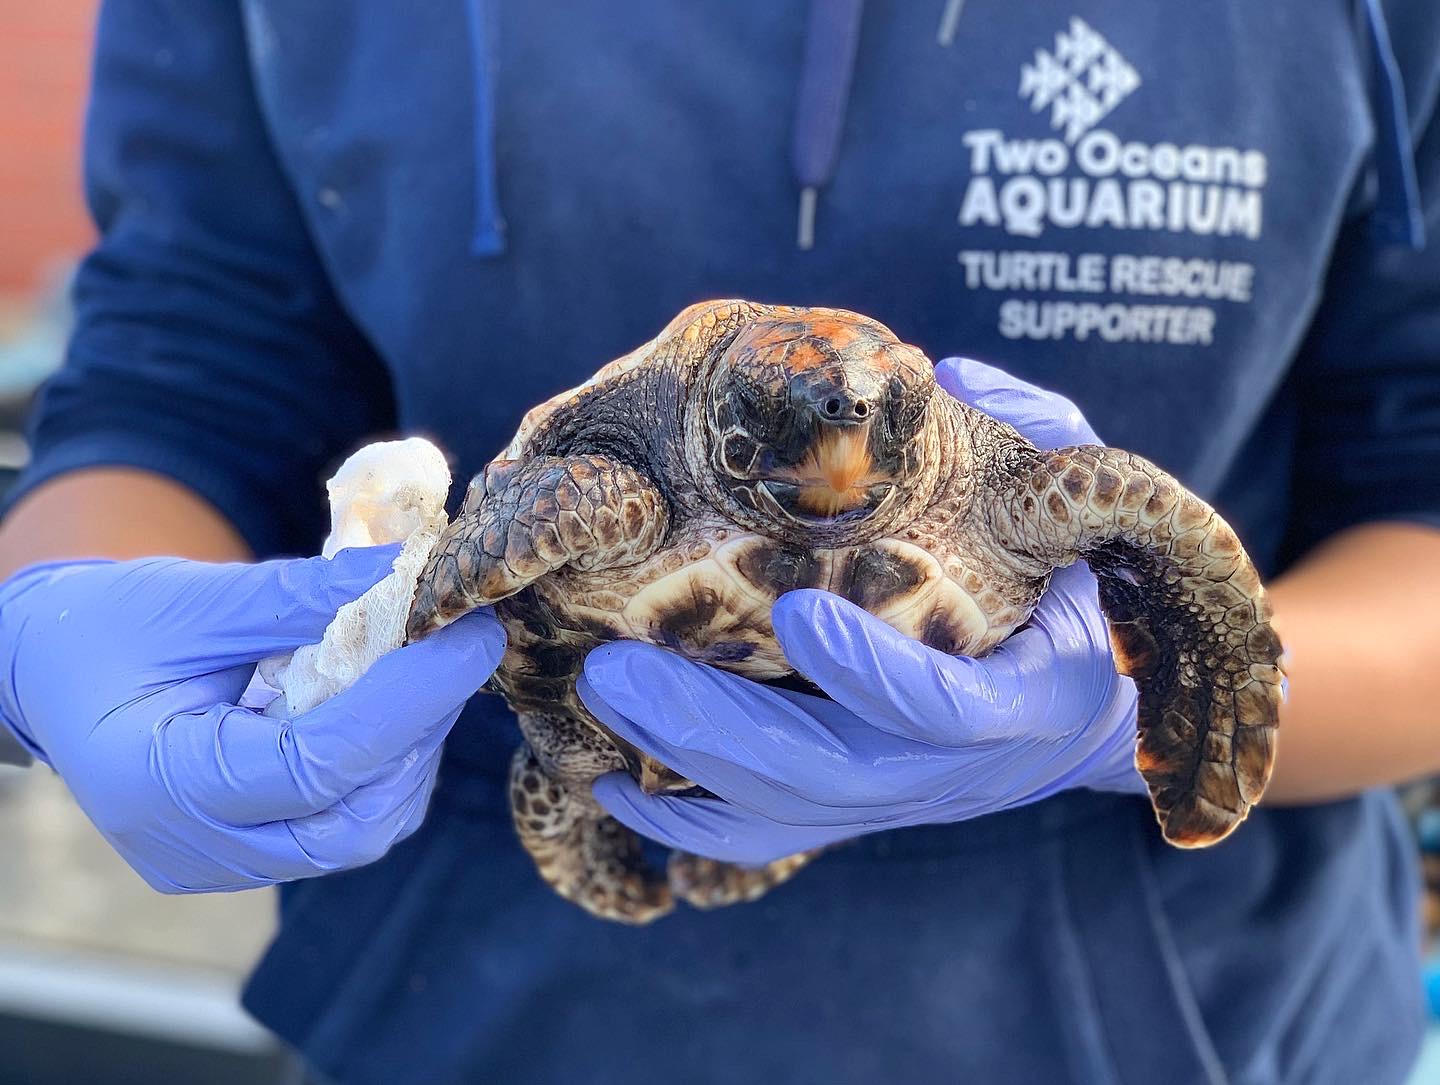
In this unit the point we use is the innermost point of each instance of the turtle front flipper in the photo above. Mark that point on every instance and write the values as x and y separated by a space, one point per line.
1189 622
522 520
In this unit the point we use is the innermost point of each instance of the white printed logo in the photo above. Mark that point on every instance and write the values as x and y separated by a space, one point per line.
1081 81
1088 180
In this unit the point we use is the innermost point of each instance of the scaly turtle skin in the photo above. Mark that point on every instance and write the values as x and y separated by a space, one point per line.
752 449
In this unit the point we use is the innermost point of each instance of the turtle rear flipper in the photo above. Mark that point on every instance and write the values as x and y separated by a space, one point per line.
583 854
1189 622
708 883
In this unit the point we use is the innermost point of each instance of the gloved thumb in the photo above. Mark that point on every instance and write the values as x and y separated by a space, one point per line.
241 613
400 703
1045 418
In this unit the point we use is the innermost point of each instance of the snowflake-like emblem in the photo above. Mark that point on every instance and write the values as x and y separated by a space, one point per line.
1080 82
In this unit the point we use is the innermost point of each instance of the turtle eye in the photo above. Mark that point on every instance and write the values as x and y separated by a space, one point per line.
756 408
902 410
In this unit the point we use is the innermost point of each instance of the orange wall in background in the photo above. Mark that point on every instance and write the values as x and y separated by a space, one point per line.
44 74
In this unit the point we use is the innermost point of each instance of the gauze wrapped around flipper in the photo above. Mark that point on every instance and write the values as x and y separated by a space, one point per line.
388 492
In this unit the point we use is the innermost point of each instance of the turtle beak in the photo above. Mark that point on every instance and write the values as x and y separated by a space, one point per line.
839 468
841 457
837 471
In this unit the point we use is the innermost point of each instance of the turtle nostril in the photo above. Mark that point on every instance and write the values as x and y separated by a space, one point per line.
830 403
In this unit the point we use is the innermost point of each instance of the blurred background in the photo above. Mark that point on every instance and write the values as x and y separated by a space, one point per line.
101 980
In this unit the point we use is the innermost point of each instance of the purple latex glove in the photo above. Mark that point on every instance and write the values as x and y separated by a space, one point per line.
124 677
910 737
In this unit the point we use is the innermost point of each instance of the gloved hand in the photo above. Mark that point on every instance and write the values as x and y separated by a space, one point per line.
912 736
124 676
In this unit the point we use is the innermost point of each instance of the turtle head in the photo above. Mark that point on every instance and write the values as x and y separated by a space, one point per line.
816 425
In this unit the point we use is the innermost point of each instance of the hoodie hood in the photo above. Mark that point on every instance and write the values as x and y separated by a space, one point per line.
826 75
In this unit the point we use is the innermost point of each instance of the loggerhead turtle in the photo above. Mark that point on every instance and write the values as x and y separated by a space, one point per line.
752 449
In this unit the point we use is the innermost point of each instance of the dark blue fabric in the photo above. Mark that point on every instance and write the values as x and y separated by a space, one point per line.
289 196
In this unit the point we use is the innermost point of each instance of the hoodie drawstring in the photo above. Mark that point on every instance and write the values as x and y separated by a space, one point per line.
488 236
1398 218
949 23
830 45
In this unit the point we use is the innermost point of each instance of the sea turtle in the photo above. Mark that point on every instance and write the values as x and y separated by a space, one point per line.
752 449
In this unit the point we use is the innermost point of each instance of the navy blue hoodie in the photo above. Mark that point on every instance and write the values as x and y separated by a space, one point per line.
1203 220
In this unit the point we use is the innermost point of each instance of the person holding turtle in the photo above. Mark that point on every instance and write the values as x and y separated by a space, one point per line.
1220 252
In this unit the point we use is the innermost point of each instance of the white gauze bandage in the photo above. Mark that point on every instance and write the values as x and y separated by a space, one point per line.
388 492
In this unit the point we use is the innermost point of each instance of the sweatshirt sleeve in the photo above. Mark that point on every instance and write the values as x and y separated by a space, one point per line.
1367 381
208 346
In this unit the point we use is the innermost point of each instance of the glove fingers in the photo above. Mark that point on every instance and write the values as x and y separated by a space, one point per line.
737 774
236 861
392 797
413 812
739 739
368 822
786 756
889 680
237 767
708 827
241 613
355 831
218 860
410 695
701 709
232 768
1045 418
279 851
